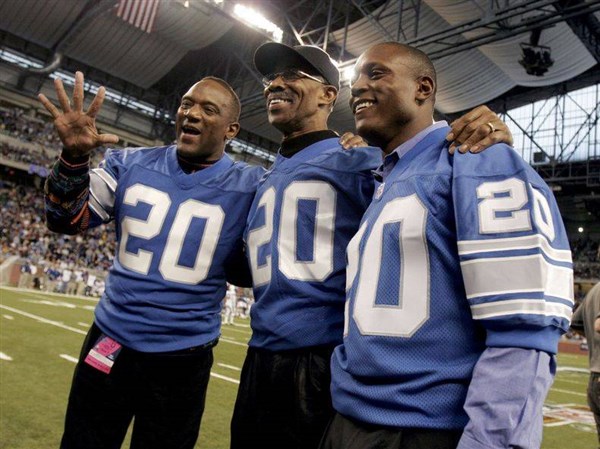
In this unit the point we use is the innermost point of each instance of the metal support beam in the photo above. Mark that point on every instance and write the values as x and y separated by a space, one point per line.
586 28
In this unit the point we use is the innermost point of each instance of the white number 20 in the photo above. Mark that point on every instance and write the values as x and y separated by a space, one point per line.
508 197
321 264
149 228
406 316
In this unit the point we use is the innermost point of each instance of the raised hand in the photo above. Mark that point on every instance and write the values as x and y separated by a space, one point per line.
77 129
350 140
477 130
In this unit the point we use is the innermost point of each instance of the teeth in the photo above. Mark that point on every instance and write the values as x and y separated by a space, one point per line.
363 105
278 100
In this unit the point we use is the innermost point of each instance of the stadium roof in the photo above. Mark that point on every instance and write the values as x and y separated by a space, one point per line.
475 44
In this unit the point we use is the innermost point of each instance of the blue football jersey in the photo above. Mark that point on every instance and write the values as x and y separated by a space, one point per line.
175 235
454 254
306 210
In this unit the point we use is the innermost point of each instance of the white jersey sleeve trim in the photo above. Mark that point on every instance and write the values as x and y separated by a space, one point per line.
97 209
521 307
102 193
466 247
106 177
521 274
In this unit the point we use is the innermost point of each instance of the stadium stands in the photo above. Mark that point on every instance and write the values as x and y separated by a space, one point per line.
24 234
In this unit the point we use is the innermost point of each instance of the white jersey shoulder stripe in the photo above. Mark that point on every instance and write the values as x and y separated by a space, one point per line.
521 306
106 177
97 209
466 247
509 275
102 193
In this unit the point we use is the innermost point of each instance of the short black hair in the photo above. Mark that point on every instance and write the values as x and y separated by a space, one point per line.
236 105
420 62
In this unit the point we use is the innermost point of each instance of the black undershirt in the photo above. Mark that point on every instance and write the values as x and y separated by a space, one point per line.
189 167
290 147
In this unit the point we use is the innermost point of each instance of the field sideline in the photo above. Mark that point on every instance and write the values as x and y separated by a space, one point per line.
40 339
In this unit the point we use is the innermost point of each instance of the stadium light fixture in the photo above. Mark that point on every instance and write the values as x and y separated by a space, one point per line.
255 19
348 73
580 229
536 59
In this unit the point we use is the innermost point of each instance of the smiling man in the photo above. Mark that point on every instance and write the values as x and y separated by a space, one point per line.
459 282
307 208
149 352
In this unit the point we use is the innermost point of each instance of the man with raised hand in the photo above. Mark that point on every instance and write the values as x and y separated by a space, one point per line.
177 211
307 208
459 281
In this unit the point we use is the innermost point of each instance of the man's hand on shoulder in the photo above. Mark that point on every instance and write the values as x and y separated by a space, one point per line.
350 140
477 130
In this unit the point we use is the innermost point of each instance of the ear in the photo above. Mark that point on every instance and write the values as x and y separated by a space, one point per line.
232 130
328 96
425 89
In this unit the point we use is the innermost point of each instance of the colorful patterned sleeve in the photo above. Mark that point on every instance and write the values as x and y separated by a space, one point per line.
67 192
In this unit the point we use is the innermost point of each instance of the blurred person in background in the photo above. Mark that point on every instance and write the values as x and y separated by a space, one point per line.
586 321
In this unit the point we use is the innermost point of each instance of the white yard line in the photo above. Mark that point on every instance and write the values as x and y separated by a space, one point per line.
228 328
53 303
228 379
69 358
571 381
560 390
233 342
43 320
6 357
79 331
572 369
8 317
83 324
235 368
218 376
41 293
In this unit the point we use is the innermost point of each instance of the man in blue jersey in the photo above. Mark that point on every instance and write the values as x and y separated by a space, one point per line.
307 208
459 282
177 211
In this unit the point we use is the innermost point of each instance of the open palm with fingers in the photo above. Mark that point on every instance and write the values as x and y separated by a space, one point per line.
76 128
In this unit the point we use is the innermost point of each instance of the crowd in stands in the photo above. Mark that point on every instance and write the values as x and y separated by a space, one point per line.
586 257
15 122
59 257
40 157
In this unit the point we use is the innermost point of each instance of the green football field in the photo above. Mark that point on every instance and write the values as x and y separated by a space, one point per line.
40 338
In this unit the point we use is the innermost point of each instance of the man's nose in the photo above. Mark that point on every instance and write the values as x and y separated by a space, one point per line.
192 114
276 85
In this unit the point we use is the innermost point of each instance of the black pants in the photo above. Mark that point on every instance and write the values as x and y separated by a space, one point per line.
345 433
165 392
284 400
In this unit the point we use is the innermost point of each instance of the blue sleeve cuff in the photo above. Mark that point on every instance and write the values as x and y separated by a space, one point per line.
545 339
505 399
